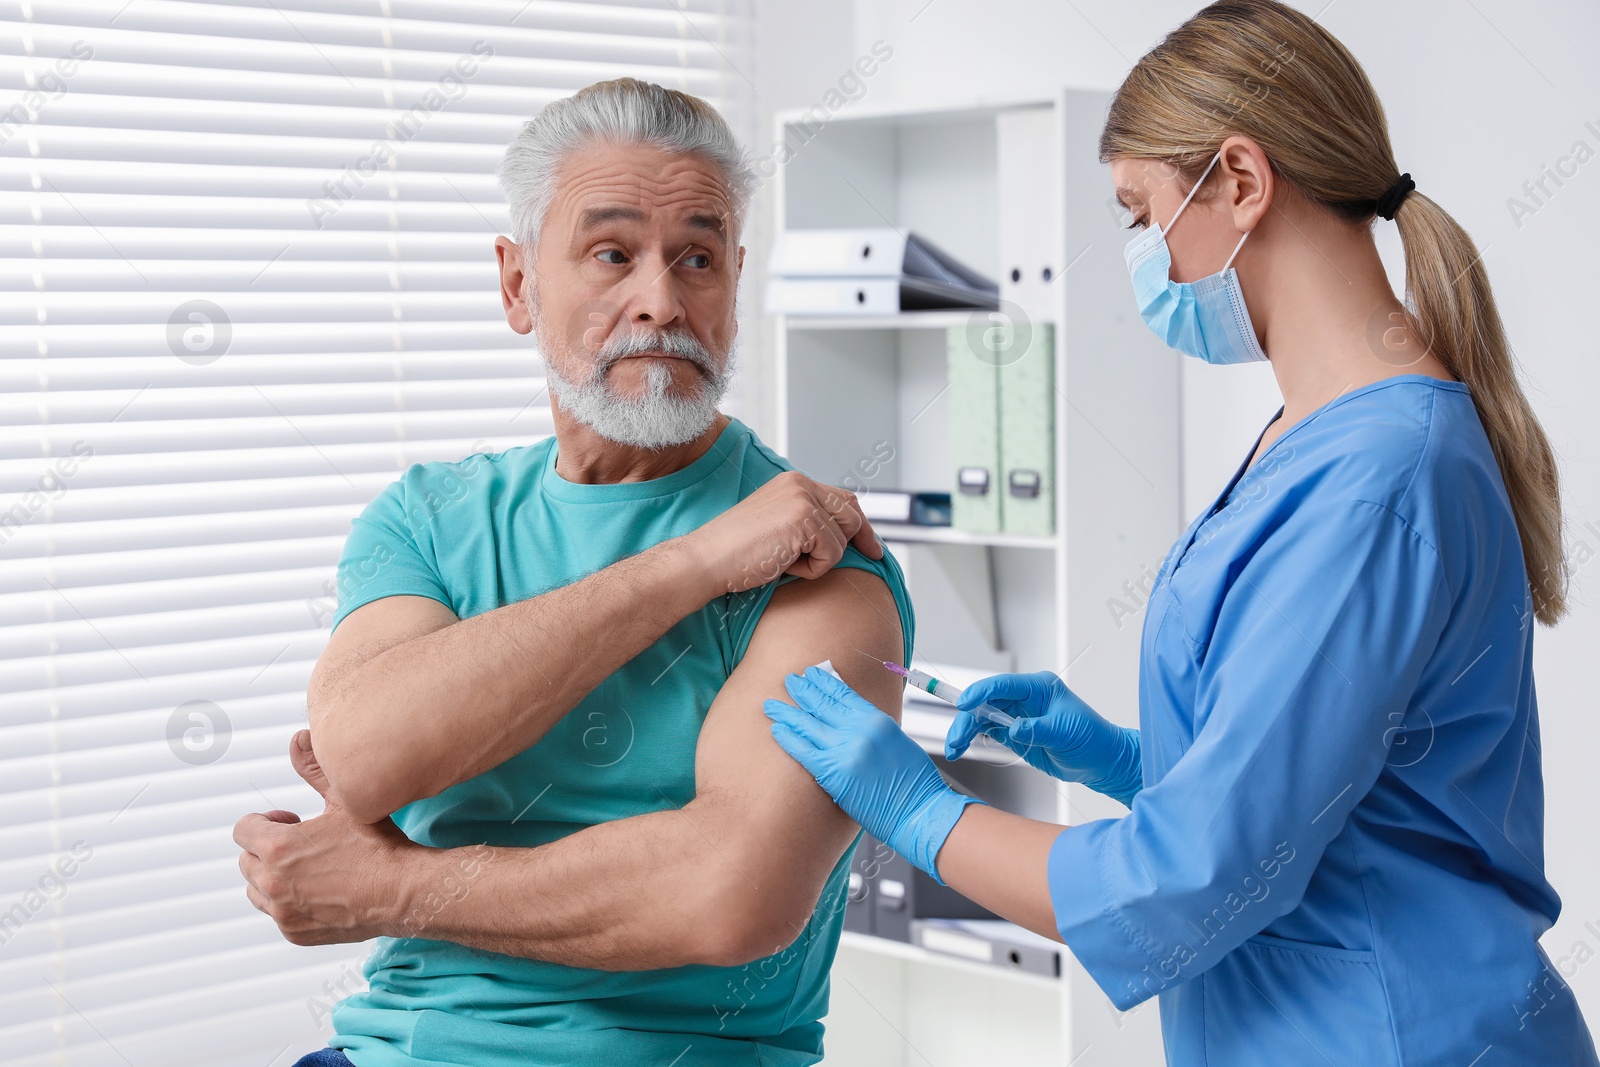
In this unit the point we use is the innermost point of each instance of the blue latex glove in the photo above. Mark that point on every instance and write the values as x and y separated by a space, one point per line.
866 763
1055 731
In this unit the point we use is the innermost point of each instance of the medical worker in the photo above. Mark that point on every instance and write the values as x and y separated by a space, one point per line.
1334 848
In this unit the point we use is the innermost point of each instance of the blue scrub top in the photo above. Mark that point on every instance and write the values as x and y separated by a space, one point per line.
1338 853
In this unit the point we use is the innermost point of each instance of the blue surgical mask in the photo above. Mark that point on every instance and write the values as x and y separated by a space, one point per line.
1205 319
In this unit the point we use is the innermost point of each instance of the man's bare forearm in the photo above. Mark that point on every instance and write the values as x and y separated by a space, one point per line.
731 877
437 709
653 890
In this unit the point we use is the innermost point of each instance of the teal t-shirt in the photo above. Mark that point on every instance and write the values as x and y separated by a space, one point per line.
492 530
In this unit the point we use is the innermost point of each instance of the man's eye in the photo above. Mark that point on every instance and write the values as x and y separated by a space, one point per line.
1136 224
698 260
620 258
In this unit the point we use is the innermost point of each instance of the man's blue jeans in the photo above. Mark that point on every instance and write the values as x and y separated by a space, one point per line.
327 1057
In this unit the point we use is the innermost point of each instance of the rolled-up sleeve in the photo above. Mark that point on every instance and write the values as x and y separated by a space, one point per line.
1314 656
381 556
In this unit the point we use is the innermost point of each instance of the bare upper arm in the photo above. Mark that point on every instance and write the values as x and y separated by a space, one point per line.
774 826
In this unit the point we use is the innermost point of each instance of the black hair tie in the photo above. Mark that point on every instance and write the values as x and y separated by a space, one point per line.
1390 201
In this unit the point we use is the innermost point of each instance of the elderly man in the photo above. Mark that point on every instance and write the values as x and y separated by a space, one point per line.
551 791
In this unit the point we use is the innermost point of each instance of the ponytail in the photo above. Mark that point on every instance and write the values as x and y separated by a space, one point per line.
1454 313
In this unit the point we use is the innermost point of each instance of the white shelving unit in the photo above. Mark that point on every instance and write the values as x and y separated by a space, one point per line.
851 390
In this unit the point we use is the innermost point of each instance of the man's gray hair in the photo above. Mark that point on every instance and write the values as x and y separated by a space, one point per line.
624 111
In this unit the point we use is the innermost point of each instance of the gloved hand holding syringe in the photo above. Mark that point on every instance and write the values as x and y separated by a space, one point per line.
949 694
1057 732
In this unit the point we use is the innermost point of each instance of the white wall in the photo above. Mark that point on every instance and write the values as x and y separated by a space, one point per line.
798 53
1480 97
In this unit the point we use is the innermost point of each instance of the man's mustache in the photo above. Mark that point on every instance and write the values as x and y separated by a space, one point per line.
679 343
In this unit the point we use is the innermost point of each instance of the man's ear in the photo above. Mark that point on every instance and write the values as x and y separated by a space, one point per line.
514 282
739 270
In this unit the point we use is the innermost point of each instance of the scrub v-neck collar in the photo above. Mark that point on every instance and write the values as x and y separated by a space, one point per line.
1337 401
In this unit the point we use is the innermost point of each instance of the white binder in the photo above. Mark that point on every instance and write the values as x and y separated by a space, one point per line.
1029 190
833 296
871 253
869 272
868 296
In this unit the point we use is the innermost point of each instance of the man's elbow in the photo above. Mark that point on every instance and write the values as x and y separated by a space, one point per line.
360 779
736 947
744 925
367 806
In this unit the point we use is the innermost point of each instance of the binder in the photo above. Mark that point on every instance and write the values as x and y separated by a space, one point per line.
905 508
1027 428
992 941
869 272
868 296
975 500
1029 190
870 253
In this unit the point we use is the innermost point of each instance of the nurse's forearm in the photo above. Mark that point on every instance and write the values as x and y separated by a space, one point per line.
1001 861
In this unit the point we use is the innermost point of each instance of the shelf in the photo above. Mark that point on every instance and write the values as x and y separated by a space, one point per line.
866 400
906 320
949 535
882 946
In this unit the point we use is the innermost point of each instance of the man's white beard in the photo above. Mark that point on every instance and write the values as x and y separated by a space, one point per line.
657 419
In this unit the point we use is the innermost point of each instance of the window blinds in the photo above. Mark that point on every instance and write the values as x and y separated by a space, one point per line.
248 278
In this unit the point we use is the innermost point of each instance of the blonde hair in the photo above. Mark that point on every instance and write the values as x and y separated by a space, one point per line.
1263 70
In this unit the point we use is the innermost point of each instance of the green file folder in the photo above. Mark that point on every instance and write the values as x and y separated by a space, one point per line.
1027 430
975 496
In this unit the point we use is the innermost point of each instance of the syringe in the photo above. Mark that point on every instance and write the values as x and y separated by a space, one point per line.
949 693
